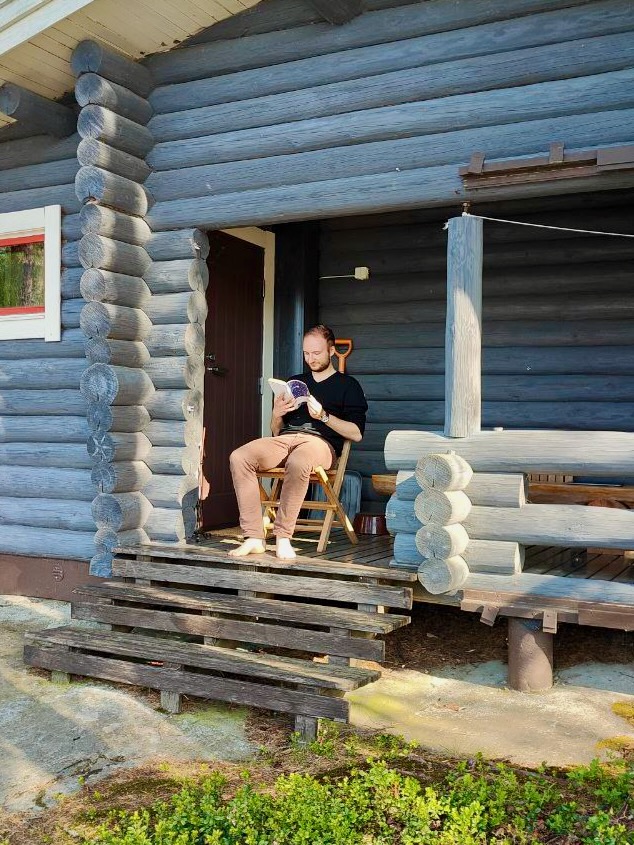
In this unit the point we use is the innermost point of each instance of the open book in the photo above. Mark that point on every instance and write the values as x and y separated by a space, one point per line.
293 389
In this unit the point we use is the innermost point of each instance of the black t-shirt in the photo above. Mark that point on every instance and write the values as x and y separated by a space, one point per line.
340 395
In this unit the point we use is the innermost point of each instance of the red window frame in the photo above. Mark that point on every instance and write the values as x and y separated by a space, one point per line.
17 241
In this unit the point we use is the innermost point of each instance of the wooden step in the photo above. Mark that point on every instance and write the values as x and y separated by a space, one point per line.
339 643
194 655
176 681
324 616
222 575
204 554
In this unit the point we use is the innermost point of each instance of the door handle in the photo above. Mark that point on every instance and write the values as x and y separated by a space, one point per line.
218 371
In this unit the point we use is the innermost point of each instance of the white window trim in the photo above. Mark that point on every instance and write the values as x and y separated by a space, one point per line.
38 221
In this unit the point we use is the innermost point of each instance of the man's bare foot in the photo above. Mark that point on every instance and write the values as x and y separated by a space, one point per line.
284 550
251 546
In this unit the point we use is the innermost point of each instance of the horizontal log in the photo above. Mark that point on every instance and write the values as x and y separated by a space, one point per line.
493 489
120 477
400 517
116 446
48 373
121 418
115 385
175 372
174 460
43 429
495 333
93 153
105 125
521 387
94 183
490 556
444 472
541 492
443 576
434 506
467 111
106 286
70 346
37 150
70 282
107 540
580 416
70 254
179 275
47 513
376 157
62 455
71 313
442 541
578 526
102 319
120 511
54 483
171 491
549 360
92 89
39 176
101 564
175 339
35 112
101 220
71 227
165 525
175 405
24 200
391 191
381 27
434 80
116 256
92 57
182 243
600 453
47 542
175 432
60 402
167 309
125 353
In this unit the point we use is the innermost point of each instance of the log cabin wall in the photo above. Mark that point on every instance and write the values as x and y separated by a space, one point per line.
45 484
558 337
377 114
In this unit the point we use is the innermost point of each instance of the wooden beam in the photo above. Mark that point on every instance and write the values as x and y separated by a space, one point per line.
337 11
463 338
34 112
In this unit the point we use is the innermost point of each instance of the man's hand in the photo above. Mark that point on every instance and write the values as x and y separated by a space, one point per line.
315 409
283 405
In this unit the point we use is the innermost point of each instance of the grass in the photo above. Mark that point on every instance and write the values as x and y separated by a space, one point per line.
346 788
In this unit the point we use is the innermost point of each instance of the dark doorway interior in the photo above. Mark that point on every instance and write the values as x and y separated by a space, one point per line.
233 368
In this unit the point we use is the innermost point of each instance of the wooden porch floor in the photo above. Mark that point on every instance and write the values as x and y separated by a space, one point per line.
377 551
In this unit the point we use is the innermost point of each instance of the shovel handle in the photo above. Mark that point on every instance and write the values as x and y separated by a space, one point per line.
346 343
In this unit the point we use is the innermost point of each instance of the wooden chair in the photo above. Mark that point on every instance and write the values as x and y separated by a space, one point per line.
331 482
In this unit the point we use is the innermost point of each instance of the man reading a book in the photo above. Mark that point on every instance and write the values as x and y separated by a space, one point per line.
303 436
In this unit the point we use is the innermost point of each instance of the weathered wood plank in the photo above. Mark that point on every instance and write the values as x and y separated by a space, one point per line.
266 583
62 483
278 636
46 455
222 689
41 175
43 429
46 542
53 402
551 587
321 615
47 513
288 669
35 112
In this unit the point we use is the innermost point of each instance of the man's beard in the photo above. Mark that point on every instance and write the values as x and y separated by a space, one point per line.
319 368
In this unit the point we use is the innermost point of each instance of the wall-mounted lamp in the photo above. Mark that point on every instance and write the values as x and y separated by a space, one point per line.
362 274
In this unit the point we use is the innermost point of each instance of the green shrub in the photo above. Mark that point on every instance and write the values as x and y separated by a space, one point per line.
477 804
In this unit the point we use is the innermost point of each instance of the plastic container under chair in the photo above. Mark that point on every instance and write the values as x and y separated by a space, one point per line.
370 523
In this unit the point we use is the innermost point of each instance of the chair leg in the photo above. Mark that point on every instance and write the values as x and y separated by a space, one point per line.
330 515
326 528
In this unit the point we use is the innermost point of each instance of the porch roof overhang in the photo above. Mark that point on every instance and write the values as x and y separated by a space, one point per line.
37 37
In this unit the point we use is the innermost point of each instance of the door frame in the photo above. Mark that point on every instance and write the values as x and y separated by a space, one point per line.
266 240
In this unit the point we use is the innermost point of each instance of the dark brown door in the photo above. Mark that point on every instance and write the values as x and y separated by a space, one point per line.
233 368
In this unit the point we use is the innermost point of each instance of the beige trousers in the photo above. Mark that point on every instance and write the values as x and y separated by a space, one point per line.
298 454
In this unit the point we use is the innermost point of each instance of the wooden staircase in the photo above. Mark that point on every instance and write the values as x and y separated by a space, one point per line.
195 621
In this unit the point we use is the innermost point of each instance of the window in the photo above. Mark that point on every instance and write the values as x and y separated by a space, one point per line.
30 271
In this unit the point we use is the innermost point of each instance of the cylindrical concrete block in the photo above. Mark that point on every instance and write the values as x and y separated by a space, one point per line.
530 656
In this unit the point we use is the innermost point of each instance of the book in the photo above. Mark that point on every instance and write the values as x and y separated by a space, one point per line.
293 389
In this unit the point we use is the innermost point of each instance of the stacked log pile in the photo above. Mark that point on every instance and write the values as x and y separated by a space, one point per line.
111 91
429 518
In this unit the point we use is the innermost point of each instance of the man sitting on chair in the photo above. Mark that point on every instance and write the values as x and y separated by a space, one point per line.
303 438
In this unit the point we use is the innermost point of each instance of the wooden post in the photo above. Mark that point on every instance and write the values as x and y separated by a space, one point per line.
530 667
463 343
